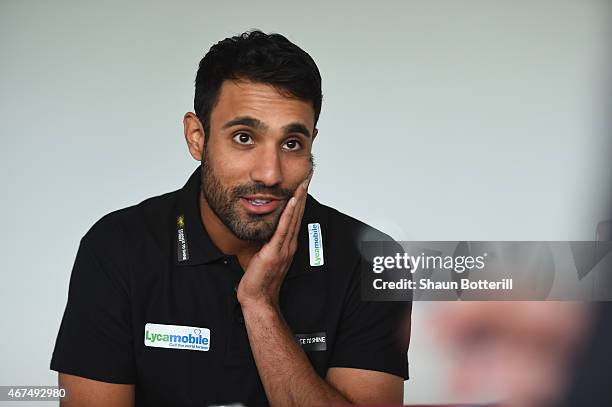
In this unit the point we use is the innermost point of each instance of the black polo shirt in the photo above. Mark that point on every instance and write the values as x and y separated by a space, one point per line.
152 301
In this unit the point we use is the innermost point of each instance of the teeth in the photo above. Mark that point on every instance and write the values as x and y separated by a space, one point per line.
258 201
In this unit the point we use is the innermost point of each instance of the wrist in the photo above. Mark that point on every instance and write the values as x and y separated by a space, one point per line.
256 299
261 306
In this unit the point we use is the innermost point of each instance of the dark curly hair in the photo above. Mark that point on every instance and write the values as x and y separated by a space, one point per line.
253 55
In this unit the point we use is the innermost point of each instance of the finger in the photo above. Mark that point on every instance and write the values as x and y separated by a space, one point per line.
284 224
296 221
299 212
300 195
297 196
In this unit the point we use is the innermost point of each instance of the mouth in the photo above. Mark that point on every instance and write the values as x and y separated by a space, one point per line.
260 204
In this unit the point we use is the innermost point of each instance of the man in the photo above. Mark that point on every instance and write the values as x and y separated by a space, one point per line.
240 287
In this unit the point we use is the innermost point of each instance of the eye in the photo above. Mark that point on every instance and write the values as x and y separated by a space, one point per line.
243 138
292 145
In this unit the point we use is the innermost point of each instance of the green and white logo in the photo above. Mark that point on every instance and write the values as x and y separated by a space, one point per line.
177 337
315 244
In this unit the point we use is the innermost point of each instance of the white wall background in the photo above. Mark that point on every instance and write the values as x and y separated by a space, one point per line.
442 120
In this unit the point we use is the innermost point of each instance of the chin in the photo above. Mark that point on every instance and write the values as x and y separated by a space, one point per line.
259 233
257 237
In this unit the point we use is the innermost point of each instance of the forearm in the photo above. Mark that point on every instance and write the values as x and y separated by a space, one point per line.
286 373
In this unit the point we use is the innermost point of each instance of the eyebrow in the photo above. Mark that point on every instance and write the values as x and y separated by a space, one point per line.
294 127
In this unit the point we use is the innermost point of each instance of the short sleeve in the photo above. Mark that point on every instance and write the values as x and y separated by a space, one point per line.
372 335
94 339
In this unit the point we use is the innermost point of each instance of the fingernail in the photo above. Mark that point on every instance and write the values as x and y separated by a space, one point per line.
292 201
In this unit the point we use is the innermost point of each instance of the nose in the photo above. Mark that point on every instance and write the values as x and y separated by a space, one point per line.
267 167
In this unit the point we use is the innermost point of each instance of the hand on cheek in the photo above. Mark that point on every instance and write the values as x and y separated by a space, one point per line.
261 282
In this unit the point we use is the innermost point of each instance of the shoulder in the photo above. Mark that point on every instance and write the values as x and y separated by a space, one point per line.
341 229
152 216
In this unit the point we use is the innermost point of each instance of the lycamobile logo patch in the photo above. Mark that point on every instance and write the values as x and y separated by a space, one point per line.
315 243
177 337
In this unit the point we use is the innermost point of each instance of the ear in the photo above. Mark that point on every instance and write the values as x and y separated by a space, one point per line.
194 135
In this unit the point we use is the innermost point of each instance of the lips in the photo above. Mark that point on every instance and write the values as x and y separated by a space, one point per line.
260 204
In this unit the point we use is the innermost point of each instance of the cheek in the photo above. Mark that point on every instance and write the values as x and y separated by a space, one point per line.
296 170
226 166
228 176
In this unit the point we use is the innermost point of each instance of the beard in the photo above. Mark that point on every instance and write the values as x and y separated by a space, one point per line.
225 204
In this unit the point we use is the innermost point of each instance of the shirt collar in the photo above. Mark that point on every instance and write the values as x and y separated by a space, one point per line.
193 244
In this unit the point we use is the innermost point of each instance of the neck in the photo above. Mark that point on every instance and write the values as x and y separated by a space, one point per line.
223 238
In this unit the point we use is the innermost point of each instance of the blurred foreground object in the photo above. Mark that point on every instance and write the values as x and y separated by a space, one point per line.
590 384
521 351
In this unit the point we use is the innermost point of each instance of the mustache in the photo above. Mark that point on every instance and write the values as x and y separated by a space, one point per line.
253 189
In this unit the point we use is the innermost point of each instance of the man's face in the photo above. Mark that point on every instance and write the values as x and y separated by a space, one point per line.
257 154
